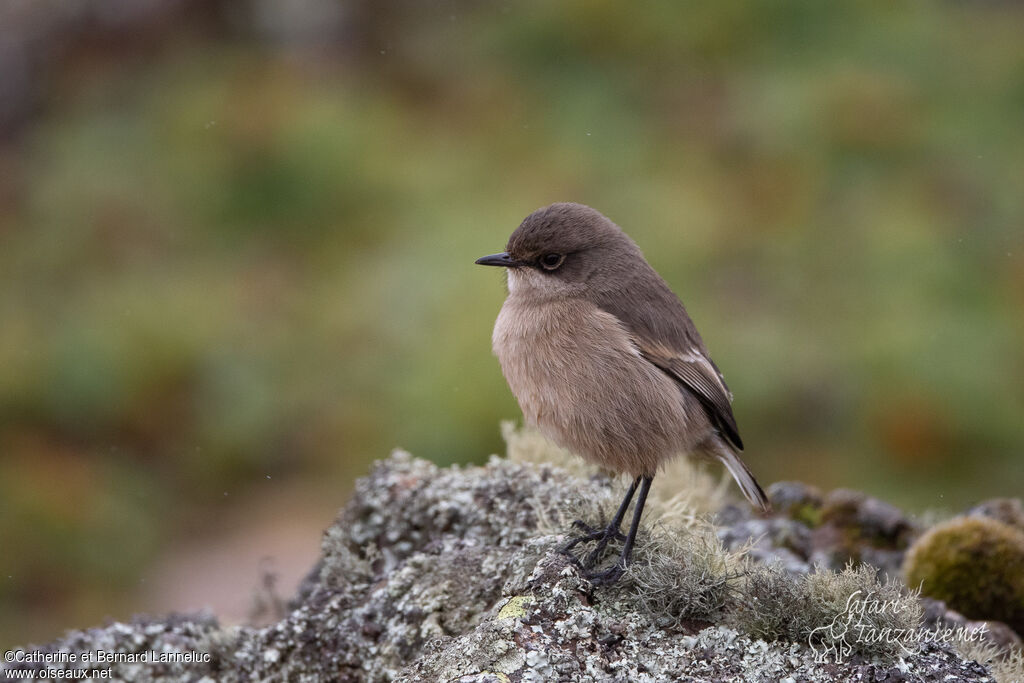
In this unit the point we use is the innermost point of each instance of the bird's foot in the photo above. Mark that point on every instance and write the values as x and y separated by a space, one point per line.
591 533
606 576
602 536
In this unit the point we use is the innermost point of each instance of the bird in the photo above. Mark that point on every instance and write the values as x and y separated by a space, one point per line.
604 360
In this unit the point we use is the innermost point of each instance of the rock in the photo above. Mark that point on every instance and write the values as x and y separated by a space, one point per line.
453 574
809 529
1006 510
797 501
885 521
771 540
995 633
872 521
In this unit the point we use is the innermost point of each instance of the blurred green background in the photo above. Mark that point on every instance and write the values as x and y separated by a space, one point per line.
237 242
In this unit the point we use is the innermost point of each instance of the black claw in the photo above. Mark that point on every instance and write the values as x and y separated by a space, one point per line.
602 536
608 576
584 527
566 550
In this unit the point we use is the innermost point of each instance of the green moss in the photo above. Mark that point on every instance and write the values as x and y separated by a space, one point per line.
807 513
975 565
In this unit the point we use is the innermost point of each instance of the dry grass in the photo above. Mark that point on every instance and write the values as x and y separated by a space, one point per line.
683 488
527 445
1005 665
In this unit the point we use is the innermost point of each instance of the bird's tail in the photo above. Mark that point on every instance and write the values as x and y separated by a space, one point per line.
751 489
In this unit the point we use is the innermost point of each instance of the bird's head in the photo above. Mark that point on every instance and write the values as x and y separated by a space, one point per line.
564 250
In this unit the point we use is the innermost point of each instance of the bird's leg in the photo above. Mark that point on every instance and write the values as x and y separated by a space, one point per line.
602 536
613 573
614 528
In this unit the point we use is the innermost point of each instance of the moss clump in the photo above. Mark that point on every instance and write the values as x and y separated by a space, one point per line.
974 564
832 610
683 577
682 574
775 605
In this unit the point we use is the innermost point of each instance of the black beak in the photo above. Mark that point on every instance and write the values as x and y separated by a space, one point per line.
502 259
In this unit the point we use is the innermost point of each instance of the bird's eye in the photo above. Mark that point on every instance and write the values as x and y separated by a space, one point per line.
551 261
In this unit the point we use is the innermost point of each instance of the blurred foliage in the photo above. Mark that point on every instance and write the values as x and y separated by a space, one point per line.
226 255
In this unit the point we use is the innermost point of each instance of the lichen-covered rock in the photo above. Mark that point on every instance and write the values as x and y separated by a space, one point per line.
142 650
857 527
796 500
453 574
563 630
810 529
785 541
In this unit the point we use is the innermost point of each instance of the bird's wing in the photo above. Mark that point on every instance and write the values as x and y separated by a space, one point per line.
665 336
696 373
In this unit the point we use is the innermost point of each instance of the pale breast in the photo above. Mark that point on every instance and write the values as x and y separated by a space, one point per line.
580 380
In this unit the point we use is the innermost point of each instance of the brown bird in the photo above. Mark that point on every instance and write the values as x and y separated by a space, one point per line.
605 361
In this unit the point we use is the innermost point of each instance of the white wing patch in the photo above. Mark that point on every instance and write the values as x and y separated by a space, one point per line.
697 358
